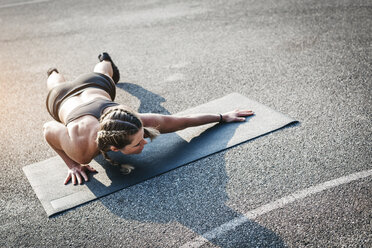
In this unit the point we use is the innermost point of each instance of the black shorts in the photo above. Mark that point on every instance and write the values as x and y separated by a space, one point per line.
58 94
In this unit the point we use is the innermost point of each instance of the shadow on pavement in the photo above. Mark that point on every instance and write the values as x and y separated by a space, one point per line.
149 102
197 199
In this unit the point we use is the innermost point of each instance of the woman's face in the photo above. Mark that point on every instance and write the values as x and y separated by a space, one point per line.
137 144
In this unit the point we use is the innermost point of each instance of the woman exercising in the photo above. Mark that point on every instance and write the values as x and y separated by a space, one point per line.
87 121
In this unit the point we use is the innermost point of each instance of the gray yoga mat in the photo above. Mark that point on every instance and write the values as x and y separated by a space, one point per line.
165 153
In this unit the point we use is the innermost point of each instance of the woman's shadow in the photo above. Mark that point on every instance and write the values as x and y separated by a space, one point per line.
195 196
149 102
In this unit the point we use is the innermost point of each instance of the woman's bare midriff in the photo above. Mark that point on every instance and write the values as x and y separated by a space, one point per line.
75 101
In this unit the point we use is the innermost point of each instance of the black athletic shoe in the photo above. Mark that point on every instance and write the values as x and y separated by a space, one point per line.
116 73
51 70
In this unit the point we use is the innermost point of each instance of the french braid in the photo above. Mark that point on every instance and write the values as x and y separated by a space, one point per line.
116 126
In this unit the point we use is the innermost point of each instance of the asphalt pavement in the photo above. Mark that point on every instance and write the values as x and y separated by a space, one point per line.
311 60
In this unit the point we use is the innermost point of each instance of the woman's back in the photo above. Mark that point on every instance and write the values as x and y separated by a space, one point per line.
76 102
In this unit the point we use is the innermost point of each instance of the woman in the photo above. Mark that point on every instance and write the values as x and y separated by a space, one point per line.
88 121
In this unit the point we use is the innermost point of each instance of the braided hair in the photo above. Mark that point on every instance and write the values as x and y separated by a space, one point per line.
116 127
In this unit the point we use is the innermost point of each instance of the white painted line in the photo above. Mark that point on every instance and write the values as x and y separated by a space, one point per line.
252 214
21 3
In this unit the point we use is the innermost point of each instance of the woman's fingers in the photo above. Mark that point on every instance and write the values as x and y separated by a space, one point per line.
91 169
67 178
245 113
80 180
79 174
73 178
84 176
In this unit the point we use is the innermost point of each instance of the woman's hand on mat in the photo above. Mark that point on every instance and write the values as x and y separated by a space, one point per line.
236 115
78 172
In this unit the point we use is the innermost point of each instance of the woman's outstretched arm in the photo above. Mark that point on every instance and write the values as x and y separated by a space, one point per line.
171 123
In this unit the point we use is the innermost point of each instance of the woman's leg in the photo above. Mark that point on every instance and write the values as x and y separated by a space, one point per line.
104 67
107 67
54 79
